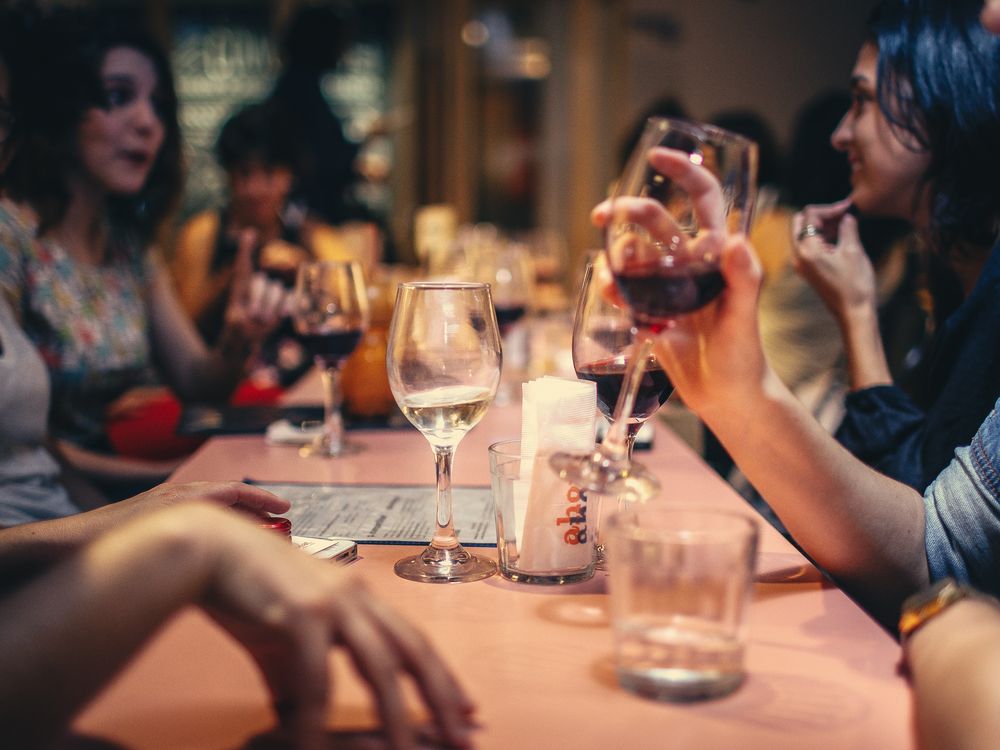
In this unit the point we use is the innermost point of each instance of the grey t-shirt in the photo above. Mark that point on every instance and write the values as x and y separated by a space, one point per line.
29 476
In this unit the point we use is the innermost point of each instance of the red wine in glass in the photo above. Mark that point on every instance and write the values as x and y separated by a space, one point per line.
656 293
507 316
609 375
333 348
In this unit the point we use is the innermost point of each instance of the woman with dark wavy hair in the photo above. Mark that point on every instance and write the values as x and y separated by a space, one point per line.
96 172
922 138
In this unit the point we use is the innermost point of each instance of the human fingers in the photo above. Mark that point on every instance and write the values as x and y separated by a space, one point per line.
305 713
702 187
243 264
377 661
600 215
819 223
237 494
448 701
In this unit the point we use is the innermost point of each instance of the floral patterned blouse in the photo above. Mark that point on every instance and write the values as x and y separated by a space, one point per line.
89 323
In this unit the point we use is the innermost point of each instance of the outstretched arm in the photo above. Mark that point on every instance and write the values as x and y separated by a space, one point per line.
862 527
29 546
94 611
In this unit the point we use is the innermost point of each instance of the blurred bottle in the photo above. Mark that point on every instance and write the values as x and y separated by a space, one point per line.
364 380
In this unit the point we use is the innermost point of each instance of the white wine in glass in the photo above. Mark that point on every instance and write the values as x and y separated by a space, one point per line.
443 361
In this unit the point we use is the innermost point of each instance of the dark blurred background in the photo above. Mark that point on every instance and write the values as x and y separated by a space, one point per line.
513 111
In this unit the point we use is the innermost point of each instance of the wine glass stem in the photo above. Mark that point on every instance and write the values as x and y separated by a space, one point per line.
630 436
333 423
616 442
444 533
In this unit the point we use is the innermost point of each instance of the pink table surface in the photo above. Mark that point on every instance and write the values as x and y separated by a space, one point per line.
537 660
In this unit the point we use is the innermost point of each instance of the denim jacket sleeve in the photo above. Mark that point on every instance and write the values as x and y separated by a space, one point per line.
885 429
962 513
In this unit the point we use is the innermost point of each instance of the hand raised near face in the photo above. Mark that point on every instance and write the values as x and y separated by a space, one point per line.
827 252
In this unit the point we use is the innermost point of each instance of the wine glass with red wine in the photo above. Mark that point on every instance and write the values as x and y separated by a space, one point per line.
685 189
330 313
603 345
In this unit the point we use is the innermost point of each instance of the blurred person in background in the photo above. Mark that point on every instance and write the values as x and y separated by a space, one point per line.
95 173
312 45
256 150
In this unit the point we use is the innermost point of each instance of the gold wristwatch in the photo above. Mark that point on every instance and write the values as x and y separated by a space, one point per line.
930 602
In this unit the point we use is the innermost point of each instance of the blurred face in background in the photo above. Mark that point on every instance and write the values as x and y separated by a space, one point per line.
120 139
258 192
886 172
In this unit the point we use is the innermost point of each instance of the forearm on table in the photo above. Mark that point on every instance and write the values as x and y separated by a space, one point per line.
866 361
105 466
75 627
954 660
862 527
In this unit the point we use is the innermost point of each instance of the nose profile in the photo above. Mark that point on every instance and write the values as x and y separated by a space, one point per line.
841 135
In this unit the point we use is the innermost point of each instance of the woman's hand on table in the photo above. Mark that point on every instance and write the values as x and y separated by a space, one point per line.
289 610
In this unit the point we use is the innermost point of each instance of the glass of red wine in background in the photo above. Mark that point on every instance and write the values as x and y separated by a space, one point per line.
603 345
508 268
663 245
330 313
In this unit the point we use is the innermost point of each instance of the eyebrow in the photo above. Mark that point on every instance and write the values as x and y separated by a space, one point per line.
118 78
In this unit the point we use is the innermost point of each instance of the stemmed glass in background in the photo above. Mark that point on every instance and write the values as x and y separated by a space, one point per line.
603 345
664 242
507 267
330 313
443 362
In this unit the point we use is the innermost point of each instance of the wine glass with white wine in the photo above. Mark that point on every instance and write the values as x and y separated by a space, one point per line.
443 362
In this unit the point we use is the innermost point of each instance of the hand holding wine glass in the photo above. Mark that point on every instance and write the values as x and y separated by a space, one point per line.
443 363
686 188
330 313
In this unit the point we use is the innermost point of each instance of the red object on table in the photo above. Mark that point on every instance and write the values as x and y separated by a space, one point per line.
150 431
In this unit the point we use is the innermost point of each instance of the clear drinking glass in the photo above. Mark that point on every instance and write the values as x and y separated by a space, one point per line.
667 225
330 314
443 362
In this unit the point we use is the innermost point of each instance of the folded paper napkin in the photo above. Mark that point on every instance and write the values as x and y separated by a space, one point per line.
550 514
283 432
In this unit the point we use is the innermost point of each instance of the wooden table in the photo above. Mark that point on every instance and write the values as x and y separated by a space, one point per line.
537 660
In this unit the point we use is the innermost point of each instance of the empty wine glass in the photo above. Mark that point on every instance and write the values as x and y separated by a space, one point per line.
330 313
666 226
443 362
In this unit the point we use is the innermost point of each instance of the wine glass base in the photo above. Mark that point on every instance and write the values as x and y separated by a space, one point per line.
445 566
607 474
322 449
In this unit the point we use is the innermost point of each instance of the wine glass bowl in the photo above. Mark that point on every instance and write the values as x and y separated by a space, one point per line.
603 344
685 189
330 314
668 223
443 361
